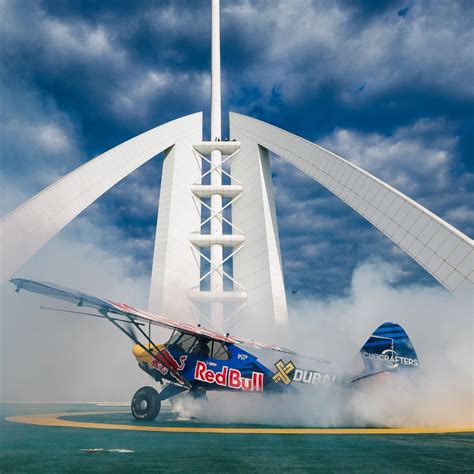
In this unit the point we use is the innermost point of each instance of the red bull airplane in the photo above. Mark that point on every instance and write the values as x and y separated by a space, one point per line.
196 360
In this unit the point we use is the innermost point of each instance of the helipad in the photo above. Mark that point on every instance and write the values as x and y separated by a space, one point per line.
98 438
60 419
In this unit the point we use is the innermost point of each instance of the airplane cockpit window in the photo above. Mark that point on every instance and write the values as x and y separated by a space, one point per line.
174 338
219 351
184 341
201 347
187 342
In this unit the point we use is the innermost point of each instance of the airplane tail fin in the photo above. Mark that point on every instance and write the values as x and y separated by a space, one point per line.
388 349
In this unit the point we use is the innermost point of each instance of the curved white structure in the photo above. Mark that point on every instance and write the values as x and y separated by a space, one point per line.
28 227
174 269
258 266
256 286
445 252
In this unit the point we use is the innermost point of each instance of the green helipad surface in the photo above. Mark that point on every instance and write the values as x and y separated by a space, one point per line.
58 443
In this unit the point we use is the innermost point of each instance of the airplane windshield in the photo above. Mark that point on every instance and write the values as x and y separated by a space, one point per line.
201 346
219 351
185 342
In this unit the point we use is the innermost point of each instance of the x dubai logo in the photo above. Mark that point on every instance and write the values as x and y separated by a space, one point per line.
285 372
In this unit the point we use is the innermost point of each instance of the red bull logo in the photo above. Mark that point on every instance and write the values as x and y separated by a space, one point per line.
228 377
159 366
164 360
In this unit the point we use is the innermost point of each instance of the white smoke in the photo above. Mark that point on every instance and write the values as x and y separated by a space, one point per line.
48 356
439 326
53 356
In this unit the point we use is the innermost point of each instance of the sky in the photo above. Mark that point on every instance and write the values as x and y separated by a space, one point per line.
387 85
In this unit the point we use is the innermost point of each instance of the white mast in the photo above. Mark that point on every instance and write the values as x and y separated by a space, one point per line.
217 280
217 302
216 73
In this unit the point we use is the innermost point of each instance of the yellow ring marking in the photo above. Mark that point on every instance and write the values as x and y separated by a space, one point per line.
53 419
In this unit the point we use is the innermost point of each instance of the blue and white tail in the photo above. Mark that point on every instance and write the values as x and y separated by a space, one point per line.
388 349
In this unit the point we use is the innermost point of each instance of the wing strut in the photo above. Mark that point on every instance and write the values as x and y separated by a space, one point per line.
134 338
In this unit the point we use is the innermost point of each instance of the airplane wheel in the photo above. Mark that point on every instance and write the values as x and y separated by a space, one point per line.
146 404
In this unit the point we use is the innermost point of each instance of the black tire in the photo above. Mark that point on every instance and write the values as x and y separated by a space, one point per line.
146 404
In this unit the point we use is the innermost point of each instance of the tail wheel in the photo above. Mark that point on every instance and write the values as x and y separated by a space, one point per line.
146 404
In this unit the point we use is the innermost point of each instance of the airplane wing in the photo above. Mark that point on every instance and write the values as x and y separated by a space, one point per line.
260 345
108 307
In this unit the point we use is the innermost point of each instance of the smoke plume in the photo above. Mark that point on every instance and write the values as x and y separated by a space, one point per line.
49 356
439 326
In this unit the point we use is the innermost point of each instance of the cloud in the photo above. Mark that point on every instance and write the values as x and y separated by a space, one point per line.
144 90
462 215
92 64
411 159
80 41
51 137
380 89
38 142
57 40
328 43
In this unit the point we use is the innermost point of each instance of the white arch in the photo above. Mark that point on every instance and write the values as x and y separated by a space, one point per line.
28 227
444 251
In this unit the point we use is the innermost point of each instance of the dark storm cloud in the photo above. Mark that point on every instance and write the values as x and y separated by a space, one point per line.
386 84
105 64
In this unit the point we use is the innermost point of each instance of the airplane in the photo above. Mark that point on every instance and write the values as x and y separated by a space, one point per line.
196 360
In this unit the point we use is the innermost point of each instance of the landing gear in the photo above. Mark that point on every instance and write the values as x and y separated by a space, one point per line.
146 404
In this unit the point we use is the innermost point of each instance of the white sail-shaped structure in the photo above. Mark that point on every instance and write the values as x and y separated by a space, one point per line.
217 253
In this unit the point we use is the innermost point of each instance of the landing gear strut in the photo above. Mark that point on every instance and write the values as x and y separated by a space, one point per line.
146 404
